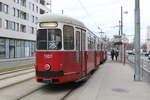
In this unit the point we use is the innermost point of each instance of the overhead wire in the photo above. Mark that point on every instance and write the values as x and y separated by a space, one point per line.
88 14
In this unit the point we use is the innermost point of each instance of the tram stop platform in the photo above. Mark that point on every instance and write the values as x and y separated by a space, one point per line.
113 81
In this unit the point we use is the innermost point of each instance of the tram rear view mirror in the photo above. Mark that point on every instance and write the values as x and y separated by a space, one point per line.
48 24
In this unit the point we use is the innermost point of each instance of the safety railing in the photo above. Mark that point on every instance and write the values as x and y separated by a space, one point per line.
145 63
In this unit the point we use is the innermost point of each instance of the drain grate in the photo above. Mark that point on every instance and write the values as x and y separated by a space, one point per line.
120 90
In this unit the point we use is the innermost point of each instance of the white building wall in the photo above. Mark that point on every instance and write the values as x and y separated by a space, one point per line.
24 42
148 39
20 35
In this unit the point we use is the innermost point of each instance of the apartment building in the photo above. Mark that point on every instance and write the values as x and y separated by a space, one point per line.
148 39
18 27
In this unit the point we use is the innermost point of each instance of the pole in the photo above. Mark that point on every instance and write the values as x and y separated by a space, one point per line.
124 53
137 41
121 29
62 12
121 20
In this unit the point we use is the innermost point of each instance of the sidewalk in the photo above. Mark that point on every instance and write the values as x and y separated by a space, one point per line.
113 81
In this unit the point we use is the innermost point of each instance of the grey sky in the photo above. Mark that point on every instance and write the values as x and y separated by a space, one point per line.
105 14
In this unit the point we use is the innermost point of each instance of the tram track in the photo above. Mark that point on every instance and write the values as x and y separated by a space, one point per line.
60 90
27 94
31 88
37 89
7 77
14 71
9 81
69 92
16 83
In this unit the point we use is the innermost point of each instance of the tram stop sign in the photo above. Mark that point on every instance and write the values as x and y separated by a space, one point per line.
119 40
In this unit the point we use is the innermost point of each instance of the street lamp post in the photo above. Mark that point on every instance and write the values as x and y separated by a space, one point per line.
138 72
121 22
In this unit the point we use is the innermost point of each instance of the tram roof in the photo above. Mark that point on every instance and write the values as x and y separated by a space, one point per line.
59 18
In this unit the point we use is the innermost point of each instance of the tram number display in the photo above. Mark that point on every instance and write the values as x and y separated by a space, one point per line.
48 24
52 45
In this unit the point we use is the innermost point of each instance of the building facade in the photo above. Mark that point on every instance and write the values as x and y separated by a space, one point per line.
148 39
18 27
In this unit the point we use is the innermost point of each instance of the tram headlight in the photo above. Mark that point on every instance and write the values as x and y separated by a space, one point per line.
47 67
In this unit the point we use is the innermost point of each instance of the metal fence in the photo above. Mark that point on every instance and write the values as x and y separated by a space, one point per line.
145 63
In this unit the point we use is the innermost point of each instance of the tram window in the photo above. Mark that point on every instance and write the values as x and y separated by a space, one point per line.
89 42
42 39
83 39
54 39
68 37
77 40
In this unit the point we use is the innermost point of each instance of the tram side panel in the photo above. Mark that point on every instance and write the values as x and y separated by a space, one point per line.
90 61
97 57
72 69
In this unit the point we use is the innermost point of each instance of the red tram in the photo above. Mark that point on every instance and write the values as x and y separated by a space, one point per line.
66 50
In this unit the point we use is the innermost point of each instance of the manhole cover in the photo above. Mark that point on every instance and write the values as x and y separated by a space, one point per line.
120 90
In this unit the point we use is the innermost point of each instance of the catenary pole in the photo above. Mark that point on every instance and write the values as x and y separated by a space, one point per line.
121 31
137 75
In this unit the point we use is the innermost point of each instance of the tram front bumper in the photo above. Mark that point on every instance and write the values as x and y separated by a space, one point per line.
49 73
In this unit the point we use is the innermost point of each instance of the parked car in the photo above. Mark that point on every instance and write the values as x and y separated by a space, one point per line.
130 52
146 54
149 56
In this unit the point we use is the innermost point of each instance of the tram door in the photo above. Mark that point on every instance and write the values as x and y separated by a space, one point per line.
83 52
80 50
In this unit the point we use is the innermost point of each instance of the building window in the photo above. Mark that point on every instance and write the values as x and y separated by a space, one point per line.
14 12
33 19
37 1
36 19
23 28
23 15
32 30
2 48
27 49
42 2
68 37
18 13
32 7
6 24
11 48
42 11
23 3
17 1
17 27
13 26
5 8
18 48
0 22
37 9
1 6
32 48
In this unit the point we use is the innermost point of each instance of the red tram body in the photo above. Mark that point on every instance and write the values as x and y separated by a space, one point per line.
66 50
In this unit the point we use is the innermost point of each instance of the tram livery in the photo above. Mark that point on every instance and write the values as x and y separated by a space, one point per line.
66 50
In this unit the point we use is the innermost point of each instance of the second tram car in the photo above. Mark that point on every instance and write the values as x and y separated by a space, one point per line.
66 50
